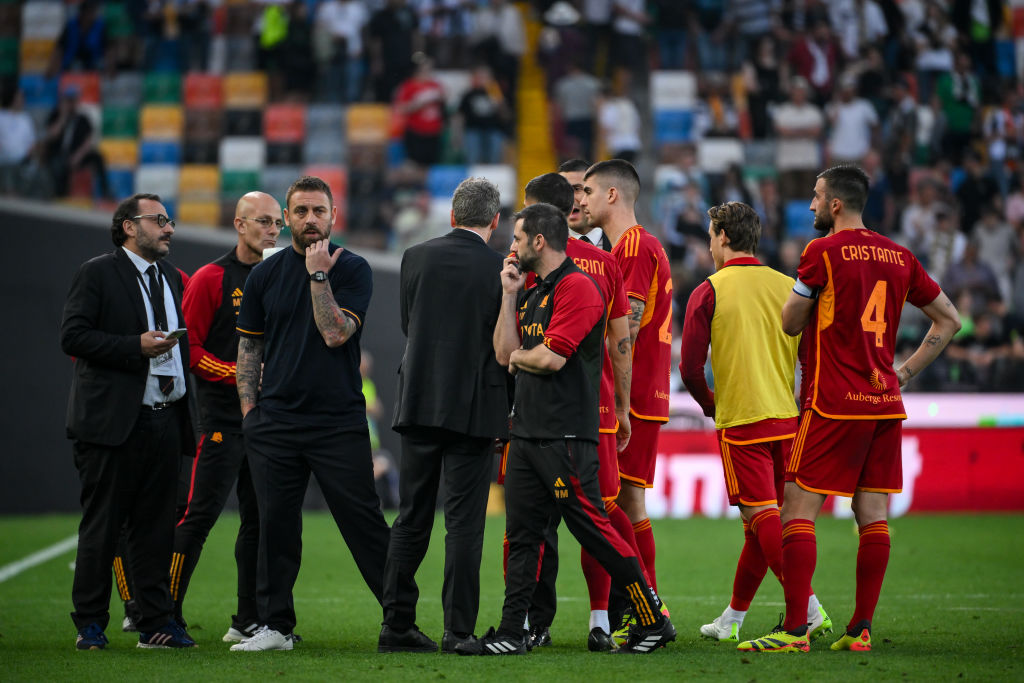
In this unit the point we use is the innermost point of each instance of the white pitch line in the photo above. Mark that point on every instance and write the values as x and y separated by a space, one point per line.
14 568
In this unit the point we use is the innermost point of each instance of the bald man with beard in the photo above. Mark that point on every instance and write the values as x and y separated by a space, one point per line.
212 299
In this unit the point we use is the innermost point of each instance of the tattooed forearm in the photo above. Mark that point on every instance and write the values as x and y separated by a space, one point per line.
624 346
635 317
933 340
248 371
335 326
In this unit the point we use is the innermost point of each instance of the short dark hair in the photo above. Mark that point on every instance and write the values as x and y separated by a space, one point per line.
847 183
126 211
309 183
547 220
553 189
475 203
621 173
740 224
573 166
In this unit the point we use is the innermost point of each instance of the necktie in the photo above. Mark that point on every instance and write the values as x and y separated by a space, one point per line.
156 299
586 239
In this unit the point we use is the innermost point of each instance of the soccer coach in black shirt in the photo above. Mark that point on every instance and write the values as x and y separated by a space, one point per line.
550 336
302 312
452 404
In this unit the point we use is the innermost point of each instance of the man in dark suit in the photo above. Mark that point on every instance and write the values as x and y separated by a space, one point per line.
452 403
580 226
128 418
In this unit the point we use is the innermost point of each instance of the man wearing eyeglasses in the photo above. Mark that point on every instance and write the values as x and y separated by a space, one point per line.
213 297
128 420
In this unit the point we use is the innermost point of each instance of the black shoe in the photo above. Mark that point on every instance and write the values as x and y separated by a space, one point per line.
492 644
646 640
599 641
409 640
451 640
171 635
540 636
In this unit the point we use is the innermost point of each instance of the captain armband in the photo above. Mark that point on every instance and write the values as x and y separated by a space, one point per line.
805 291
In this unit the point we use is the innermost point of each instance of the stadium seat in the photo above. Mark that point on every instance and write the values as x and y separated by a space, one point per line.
36 53
38 90
442 180
666 175
162 122
199 182
245 90
87 82
284 123
202 213
161 87
8 55
203 125
159 152
167 58
42 19
203 91
277 180
285 153
244 154
503 177
323 148
120 122
715 155
799 221
82 185
120 152
238 20
673 126
368 124
325 119
121 182
243 122
202 151
673 90
233 184
396 153
122 90
336 178
161 179
241 53
10 21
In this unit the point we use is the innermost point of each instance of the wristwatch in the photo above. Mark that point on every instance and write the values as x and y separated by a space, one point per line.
318 276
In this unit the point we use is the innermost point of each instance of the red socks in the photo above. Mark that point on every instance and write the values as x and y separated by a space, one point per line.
762 548
766 526
872 559
645 543
799 555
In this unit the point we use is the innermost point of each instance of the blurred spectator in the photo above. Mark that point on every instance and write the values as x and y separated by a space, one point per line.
597 25
899 134
772 213
629 41
731 187
878 210
706 22
17 138
671 20
576 96
620 123
297 64
1014 211
997 245
484 119
972 278
1017 294
979 21
69 145
815 57
852 122
918 220
857 23
761 79
873 80
499 39
976 190
195 18
420 101
83 42
960 96
561 43
446 25
684 219
394 38
982 358
1003 127
746 22
798 125
716 115
944 246
271 31
935 38
344 23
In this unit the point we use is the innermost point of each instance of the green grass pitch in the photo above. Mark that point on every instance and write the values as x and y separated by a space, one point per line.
952 608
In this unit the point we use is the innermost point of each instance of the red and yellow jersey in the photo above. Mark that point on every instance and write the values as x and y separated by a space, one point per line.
602 267
646 276
862 280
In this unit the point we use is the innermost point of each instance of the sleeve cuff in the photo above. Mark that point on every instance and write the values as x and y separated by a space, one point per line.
805 291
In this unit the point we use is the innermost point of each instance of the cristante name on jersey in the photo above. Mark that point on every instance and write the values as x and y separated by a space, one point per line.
862 252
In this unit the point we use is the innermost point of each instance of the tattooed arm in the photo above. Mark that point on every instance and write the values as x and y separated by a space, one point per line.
248 370
620 350
336 326
636 315
945 323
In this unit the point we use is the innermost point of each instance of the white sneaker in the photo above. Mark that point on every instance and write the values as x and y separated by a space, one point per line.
264 639
128 626
818 624
237 636
719 629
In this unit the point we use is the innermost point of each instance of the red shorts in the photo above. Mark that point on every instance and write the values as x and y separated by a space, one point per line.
755 473
841 457
636 463
608 472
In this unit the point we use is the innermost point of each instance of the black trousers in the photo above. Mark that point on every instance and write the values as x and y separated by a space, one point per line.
281 457
131 486
542 476
544 602
466 464
220 461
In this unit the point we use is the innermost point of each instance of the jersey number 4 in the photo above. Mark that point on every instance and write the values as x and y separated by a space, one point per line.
872 320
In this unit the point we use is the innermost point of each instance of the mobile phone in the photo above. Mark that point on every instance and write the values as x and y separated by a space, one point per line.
180 332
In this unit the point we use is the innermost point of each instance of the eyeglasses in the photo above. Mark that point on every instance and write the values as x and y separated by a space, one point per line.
161 220
265 222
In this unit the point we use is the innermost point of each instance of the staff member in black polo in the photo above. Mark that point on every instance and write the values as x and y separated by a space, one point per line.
452 404
550 336
302 313
129 420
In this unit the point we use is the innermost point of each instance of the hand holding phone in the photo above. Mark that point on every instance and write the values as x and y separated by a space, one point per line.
175 334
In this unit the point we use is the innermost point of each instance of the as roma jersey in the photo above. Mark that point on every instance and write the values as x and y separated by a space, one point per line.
645 274
862 280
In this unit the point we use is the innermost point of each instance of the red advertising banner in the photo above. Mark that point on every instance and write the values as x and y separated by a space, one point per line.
944 470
